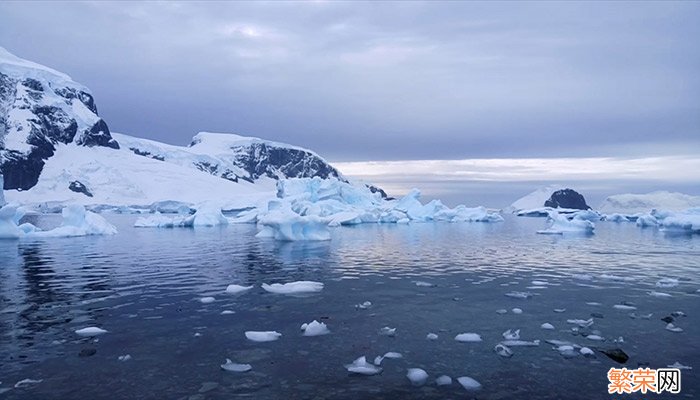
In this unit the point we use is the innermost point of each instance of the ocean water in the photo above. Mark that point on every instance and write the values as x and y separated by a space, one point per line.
144 287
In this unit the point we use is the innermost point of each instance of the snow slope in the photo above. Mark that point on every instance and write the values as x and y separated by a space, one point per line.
535 199
639 203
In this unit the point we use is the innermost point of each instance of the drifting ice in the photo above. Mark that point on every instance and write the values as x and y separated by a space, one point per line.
294 287
362 367
315 328
266 336
90 331
560 225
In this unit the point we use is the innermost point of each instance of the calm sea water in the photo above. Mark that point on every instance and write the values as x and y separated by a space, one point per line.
144 286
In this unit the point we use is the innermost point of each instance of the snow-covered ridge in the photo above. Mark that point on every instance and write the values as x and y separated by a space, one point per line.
639 203
534 200
15 66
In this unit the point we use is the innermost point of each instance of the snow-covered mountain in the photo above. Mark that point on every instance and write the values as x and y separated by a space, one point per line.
55 148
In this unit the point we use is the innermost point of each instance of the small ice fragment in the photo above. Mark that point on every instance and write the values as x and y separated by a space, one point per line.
503 350
468 337
547 326
315 328
207 300
517 311
27 382
540 283
501 311
595 337
304 326
678 314
659 294
519 295
386 331
233 367
293 287
90 331
417 376
262 336
197 334
583 323
520 343
424 284
362 367
619 340
667 283
594 303
567 351
511 334
634 315
673 328
624 307
364 306
443 380
227 312
393 355
125 357
469 383
559 310
234 289
586 351
431 336
679 366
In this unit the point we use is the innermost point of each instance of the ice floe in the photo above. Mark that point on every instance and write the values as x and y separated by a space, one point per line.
667 283
469 383
673 328
547 326
624 307
468 337
125 357
585 351
659 294
207 300
76 222
386 331
443 380
227 312
520 343
262 336
431 336
234 367
293 287
517 310
511 334
90 331
417 376
362 367
503 350
519 295
315 328
559 225
235 289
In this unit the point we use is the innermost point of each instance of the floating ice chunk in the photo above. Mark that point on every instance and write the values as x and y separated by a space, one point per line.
678 314
281 223
27 382
595 337
9 219
673 328
687 222
390 355
424 284
616 218
468 337
624 307
659 294
667 283
208 214
315 328
586 352
90 331
517 311
646 220
503 350
567 350
511 334
294 287
233 367
431 336
679 366
235 289
469 383
559 225
519 295
417 376
362 367
559 310
540 283
520 343
501 311
207 300
158 220
262 336
78 222
547 326
227 312
364 305
593 303
125 357
443 380
386 331
634 315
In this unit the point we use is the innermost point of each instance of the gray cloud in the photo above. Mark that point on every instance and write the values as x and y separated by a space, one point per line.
384 81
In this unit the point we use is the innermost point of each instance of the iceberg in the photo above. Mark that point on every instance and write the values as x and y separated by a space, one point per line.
683 222
9 222
281 223
468 337
315 328
417 376
262 336
90 331
559 225
76 222
235 289
207 215
362 367
293 287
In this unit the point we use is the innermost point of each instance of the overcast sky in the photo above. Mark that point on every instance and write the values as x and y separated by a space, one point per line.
362 81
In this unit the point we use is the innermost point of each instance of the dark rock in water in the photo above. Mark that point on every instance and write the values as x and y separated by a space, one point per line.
78 187
87 352
567 198
616 355
667 319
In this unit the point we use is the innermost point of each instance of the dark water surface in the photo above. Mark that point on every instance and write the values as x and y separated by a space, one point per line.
144 286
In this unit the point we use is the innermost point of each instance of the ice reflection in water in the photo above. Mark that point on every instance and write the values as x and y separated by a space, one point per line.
144 286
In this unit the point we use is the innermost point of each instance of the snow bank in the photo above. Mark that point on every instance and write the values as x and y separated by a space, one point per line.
559 224
641 203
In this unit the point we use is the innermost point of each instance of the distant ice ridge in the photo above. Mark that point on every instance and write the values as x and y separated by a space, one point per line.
644 203
207 214
534 200
306 207
76 222
559 225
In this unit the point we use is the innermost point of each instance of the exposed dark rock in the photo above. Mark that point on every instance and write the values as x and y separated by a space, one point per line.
616 355
87 352
667 319
567 198
99 136
78 187
146 154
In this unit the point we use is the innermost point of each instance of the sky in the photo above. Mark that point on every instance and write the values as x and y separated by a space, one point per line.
427 91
